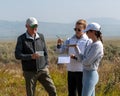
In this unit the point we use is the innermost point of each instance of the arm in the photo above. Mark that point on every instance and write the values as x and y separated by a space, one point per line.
94 53
79 55
45 50
18 51
61 47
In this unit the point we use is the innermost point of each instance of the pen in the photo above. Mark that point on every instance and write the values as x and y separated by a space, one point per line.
58 36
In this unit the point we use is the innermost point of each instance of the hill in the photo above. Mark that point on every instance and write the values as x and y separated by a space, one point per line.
11 29
12 82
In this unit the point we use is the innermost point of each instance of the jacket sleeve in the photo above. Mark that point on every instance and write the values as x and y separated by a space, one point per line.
18 51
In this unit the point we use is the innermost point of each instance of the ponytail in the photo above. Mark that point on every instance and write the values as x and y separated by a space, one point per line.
99 35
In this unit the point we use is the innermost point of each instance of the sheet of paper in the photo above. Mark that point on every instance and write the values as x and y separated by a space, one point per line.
41 53
63 59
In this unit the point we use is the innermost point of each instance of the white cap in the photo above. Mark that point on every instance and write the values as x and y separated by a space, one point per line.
31 21
92 26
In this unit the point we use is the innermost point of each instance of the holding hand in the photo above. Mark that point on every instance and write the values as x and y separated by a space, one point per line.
73 56
59 41
35 56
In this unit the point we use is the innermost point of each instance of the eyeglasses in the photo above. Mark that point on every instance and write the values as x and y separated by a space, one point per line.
77 29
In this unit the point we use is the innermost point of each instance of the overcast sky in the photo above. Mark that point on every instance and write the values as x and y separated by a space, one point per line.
61 11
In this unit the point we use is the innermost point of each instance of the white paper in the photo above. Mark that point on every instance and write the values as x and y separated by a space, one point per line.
41 53
63 59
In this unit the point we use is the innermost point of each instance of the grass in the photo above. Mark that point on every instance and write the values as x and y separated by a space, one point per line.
12 82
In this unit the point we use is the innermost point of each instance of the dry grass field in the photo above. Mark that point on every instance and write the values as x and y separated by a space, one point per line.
12 82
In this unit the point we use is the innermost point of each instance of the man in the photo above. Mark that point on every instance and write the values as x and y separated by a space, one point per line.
74 68
31 50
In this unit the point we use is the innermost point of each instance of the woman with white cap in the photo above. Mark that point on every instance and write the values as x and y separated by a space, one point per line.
91 59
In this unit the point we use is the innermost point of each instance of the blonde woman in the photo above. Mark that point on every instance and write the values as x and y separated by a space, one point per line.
75 68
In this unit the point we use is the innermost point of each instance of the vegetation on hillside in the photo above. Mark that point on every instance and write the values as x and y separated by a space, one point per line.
12 82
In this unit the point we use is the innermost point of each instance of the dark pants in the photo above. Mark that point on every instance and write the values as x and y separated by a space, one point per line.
43 77
75 83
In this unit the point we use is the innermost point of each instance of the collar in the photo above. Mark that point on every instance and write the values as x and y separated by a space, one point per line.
29 37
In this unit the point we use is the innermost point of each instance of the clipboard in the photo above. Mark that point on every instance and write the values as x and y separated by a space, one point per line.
63 59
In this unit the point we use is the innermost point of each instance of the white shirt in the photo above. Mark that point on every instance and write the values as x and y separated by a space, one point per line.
83 42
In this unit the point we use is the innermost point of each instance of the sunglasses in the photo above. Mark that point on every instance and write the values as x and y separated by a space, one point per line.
77 29
34 26
89 31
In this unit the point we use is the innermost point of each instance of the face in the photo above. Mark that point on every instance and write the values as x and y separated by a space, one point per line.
90 34
31 30
78 30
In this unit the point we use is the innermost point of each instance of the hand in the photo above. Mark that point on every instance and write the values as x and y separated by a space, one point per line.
35 56
73 56
59 41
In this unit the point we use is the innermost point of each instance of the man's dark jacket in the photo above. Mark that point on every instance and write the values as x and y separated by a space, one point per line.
25 47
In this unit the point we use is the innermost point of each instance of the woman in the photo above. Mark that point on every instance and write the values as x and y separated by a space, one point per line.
75 68
91 59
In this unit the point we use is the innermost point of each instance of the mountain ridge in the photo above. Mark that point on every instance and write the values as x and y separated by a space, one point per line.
11 29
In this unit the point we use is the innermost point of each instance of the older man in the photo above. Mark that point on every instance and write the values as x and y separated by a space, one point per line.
31 50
